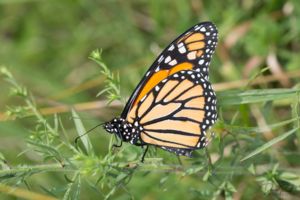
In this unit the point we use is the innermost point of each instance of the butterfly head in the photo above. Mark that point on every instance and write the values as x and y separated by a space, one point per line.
120 127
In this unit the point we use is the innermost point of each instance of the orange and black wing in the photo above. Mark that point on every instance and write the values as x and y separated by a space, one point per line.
190 51
176 112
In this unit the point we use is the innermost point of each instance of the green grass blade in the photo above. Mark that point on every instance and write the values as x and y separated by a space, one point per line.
247 130
255 96
81 131
269 144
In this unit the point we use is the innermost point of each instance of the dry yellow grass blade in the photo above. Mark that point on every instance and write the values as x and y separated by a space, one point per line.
258 80
67 108
23 194
76 89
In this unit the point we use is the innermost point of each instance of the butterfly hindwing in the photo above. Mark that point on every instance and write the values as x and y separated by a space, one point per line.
176 112
190 51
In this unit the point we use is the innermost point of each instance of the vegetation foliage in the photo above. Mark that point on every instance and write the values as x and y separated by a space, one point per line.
52 93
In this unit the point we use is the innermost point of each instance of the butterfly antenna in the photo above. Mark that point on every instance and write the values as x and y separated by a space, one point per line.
78 137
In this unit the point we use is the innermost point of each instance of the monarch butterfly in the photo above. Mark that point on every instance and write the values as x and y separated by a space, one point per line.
174 103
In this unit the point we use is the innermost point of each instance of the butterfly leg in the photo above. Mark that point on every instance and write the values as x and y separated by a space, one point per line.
117 145
143 157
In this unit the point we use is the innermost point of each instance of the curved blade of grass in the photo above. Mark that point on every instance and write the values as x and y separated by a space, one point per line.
295 106
269 144
81 131
246 130
255 96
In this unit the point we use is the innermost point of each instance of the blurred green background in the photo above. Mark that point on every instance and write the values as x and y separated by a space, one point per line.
46 44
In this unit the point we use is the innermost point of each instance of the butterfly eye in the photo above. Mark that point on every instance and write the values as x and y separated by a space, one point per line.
109 127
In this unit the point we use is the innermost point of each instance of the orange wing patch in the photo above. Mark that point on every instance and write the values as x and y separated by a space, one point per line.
150 140
195 115
171 117
178 90
194 37
161 111
196 90
179 141
166 89
187 127
193 44
148 101
197 102
159 76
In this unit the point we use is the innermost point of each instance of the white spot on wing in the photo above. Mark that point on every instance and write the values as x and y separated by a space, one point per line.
192 55
181 49
173 62
168 59
160 58
171 48
203 29
143 98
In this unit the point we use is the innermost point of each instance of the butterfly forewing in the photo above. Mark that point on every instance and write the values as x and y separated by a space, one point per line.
190 51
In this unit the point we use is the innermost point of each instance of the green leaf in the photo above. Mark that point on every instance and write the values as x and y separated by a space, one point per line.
269 144
266 185
251 169
112 82
229 190
81 133
192 170
96 54
73 191
5 72
206 176
289 182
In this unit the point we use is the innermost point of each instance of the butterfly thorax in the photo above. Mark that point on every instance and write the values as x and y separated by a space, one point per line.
126 131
